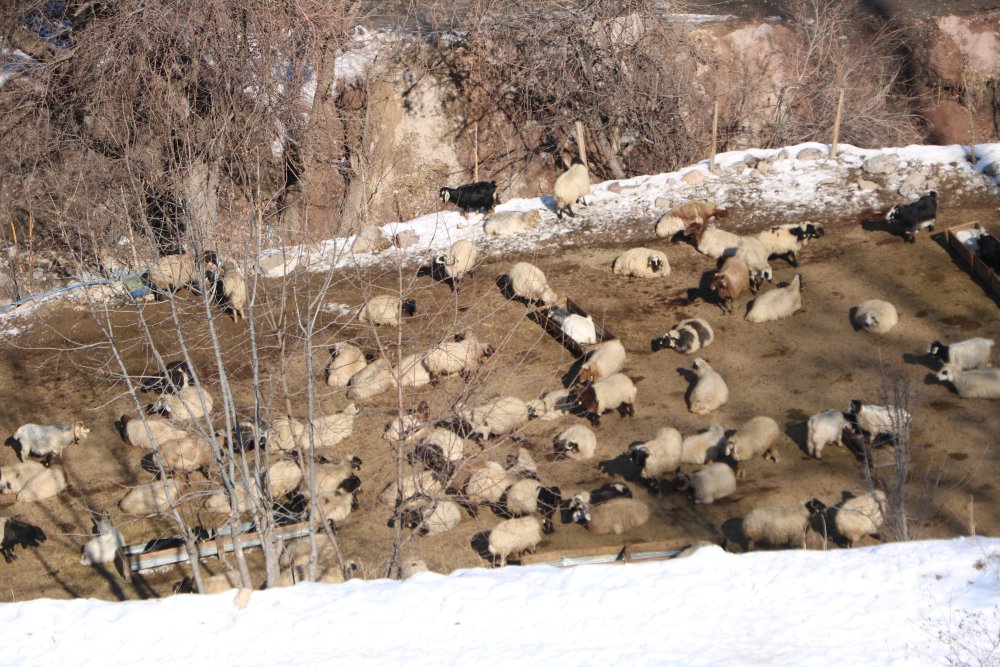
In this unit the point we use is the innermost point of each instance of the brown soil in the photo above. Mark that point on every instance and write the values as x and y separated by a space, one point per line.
61 370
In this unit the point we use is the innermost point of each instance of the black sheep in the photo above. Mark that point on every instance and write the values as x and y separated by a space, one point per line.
17 532
480 196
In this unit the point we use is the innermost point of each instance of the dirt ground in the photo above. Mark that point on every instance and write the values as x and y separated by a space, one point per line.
61 370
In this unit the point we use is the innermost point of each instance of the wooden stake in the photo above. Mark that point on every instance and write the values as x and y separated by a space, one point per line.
836 124
475 148
579 142
715 135
972 136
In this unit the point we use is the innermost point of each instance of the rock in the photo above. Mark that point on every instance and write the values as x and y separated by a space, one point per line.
694 177
830 181
913 184
810 154
406 238
867 185
992 170
750 161
881 164
765 166
370 239
663 203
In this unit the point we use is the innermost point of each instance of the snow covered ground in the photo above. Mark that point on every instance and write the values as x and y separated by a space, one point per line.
917 603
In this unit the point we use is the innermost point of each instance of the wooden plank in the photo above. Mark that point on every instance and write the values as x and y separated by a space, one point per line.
627 552
550 318
977 267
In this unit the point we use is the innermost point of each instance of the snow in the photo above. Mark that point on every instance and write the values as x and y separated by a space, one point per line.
895 604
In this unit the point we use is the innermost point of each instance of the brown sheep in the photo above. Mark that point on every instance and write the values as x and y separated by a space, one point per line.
731 282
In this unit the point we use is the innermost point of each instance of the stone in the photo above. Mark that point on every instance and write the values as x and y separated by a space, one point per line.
913 184
694 177
810 154
867 185
881 164
406 238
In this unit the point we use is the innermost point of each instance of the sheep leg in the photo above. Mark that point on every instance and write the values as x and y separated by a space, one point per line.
8 554
594 419
569 209
626 410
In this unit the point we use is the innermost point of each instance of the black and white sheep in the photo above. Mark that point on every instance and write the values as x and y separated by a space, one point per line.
875 315
577 443
641 263
751 250
346 360
458 356
18 533
528 282
963 355
710 391
778 303
529 496
713 482
48 483
514 537
825 428
571 187
873 421
430 517
658 456
439 450
511 223
686 337
703 447
973 383
189 404
102 548
787 240
604 360
48 440
912 217
386 309
757 436
778 526
580 329
616 392
613 517
458 261
177 375
478 196
598 496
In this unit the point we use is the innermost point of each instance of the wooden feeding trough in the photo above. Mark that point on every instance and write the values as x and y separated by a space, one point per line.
962 241
637 552
551 317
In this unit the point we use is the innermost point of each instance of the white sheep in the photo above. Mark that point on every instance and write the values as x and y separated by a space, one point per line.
616 392
234 289
577 443
973 383
171 272
710 391
604 360
150 498
460 356
786 240
102 548
712 241
858 516
514 537
370 239
755 437
614 517
283 476
551 406
777 526
458 261
411 372
875 315
580 329
658 456
875 420
778 303
497 416
424 483
135 433
346 361
598 496
47 483
686 337
705 446
641 263
387 310
186 454
376 378
411 567
448 444
511 223
331 430
487 483
528 282
711 483
13 477
529 496
48 440
963 355
825 428
430 517
751 250
571 186
189 404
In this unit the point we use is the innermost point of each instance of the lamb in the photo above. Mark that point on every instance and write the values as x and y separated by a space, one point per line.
973 383
756 436
410 372
18 533
687 337
658 456
102 548
513 537
777 526
613 517
710 391
137 432
577 443
170 273
825 428
234 289
731 282
615 392
713 482
751 250
48 483
529 496
478 196
511 223
598 496
913 217
550 406
458 261
376 378
458 356
571 187
858 516
430 517
346 361
48 440
875 315
641 263
529 283
778 303
150 498
705 446
876 420
603 361
370 239
188 404
580 329
678 218
963 355
498 416
13 477
712 241
787 240
386 309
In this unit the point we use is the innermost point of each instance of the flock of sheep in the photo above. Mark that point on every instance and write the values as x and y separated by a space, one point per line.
447 475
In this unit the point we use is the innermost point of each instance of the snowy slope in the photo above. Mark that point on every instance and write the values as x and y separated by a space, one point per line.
895 604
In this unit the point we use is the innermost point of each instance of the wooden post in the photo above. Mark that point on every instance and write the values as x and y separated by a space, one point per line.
836 124
972 137
579 142
715 135
475 148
